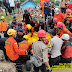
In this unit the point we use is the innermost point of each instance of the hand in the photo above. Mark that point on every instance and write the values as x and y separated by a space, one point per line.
48 69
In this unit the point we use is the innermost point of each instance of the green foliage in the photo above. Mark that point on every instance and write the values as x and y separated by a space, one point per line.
57 3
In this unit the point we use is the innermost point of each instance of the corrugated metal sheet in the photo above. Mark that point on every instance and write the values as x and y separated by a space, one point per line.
29 4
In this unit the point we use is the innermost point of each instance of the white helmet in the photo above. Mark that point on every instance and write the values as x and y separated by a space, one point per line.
65 37
56 10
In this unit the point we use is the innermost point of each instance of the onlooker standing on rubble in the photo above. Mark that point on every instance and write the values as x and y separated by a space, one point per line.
40 52
54 46
18 5
47 9
12 5
53 7
5 6
66 49
1 6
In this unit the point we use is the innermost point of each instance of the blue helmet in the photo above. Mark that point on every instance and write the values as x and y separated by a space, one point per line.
25 10
33 19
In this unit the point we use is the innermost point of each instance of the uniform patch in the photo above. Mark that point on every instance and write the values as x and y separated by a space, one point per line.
8 42
15 44
23 43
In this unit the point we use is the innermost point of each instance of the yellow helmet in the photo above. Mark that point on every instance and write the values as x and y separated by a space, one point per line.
29 26
11 32
2 17
25 36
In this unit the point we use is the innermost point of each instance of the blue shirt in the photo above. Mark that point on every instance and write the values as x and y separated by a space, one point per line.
46 9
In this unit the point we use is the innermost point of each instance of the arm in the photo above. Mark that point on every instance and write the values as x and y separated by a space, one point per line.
25 30
19 51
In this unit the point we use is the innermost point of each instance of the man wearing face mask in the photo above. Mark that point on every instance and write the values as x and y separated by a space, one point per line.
3 24
62 30
59 15
12 49
47 9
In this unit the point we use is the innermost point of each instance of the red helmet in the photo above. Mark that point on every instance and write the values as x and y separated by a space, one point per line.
59 24
47 0
42 33
68 11
55 19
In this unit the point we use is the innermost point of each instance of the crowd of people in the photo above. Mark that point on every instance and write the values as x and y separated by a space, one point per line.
9 6
45 54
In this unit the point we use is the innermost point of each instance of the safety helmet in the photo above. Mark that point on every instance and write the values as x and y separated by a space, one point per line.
11 32
68 11
65 37
25 10
47 0
55 19
59 24
33 19
41 22
28 26
25 36
2 17
14 17
42 33
51 31
56 10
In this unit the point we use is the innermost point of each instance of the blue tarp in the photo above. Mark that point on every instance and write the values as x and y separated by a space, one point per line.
29 4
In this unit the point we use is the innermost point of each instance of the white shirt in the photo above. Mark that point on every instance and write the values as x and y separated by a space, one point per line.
54 47
12 4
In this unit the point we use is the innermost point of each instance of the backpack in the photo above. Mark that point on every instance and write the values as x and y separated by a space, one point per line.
66 46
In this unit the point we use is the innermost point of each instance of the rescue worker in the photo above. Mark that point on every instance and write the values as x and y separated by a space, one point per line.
62 30
59 15
12 26
68 19
25 45
3 24
41 24
26 16
40 52
28 29
12 49
19 36
66 49
55 21
20 26
54 47
14 18
34 23
47 9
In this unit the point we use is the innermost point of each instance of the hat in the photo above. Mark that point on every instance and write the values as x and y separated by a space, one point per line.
65 37
14 17
51 31
33 19
14 22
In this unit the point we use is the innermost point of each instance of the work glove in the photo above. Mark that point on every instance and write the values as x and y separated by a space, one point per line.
48 69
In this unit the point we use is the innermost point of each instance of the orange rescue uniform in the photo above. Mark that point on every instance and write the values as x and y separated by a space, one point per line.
12 50
60 17
0 26
4 26
26 30
25 45
55 26
64 31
